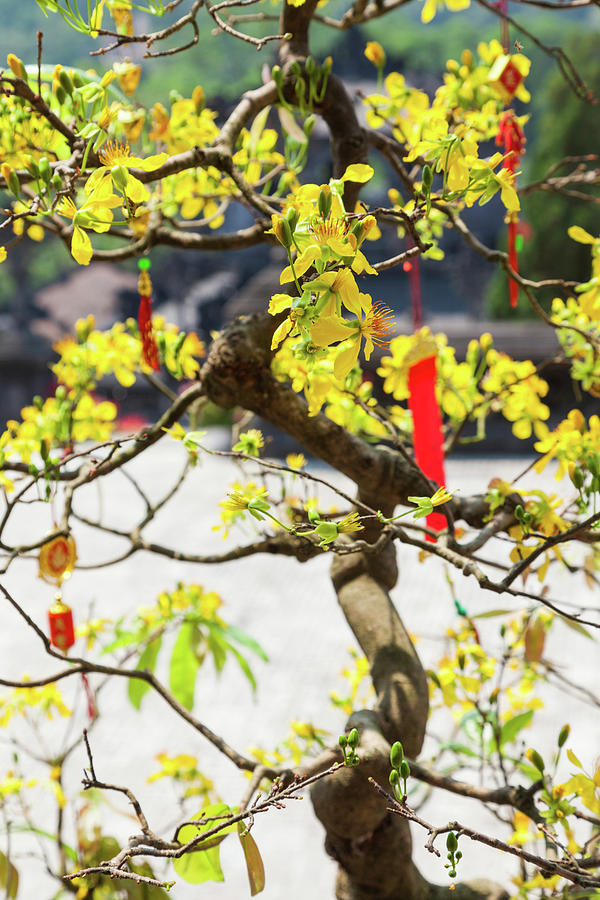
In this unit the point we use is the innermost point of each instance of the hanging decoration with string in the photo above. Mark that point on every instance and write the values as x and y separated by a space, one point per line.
428 441
149 347
506 76
56 562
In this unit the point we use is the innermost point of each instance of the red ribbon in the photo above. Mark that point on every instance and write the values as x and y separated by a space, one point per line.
427 430
427 423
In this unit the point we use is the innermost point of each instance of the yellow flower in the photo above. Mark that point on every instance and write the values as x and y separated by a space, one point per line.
128 76
295 461
430 7
441 496
2 254
349 523
95 214
116 155
375 54
374 327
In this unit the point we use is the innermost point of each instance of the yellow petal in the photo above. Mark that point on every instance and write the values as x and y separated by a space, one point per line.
136 191
281 333
279 302
346 360
329 329
81 247
428 11
579 234
358 172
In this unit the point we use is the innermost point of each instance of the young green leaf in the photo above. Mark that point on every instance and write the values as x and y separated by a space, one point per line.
184 667
137 688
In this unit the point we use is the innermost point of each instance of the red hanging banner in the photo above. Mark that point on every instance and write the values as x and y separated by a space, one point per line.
428 439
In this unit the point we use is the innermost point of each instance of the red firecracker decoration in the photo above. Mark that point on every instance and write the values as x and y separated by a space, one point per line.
427 423
149 348
510 136
60 617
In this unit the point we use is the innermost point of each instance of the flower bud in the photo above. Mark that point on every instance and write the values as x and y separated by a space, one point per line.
353 738
396 755
291 217
281 227
198 98
11 178
65 81
325 201
534 757
16 65
451 842
563 734
577 477
427 178
45 170
119 176
309 124
375 54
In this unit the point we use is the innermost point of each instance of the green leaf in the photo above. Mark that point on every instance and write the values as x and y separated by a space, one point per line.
9 877
576 626
199 866
123 639
254 863
529 771
218 647
184 666
491 613
242 638
510 729
68 851
138 688
243 663
458 748
204 863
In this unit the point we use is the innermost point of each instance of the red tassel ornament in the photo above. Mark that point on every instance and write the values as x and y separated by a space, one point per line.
510 135
149 348
60 618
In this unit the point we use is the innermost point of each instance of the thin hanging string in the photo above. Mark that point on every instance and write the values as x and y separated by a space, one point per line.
414 279
502 6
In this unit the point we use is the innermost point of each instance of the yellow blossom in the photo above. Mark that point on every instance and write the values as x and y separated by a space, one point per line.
115 154
128 75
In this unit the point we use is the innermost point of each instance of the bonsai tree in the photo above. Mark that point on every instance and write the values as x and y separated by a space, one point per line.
86 164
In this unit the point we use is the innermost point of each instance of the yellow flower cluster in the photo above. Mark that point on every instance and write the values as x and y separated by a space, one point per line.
569 442
57 421
46 700
183 769
446 131
485 381
183 598
86 358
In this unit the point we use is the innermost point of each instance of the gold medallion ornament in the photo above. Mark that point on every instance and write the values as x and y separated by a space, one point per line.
57 559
